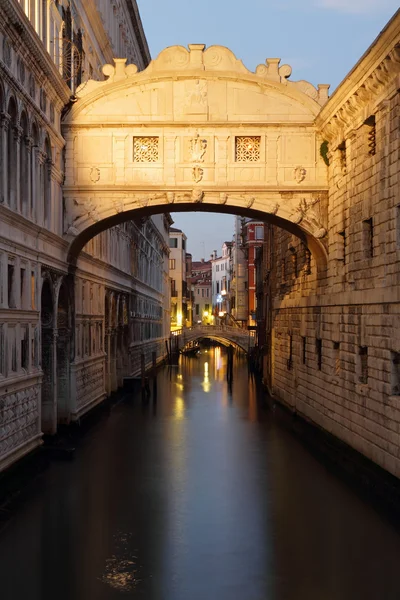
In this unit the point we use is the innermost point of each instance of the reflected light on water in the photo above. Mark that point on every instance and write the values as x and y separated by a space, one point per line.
206 385
179 408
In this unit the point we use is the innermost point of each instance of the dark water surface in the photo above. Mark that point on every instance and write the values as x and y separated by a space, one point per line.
200 497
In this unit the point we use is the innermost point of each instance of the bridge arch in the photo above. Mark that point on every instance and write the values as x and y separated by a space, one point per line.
196 131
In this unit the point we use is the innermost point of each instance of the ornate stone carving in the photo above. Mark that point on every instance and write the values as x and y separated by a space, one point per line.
250 202
197 196
247 148
7 52
94 174
145 149
309 211
300 174
197 174
78 209
223 198
119 205
21 71
32 86
196 98
43 100
170 197
52 115
19 418
198 148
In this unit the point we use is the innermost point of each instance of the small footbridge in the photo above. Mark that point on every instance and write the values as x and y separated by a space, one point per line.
225 334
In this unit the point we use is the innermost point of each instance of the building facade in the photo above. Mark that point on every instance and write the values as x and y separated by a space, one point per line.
221 281
66 338
201 283
253 240
334 355
180 316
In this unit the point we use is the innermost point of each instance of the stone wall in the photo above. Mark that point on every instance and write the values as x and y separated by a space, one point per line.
336 342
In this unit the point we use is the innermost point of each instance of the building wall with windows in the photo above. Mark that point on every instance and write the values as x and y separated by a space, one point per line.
221 280
335 358
66 340
254 237
177 270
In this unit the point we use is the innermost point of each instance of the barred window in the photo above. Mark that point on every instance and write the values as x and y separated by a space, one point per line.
247 149
145 149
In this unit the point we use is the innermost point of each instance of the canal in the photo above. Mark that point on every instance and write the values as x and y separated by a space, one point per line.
200 495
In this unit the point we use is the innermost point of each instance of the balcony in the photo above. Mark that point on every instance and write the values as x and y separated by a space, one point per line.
174 294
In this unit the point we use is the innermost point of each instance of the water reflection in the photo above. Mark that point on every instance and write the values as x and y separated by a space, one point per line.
207 498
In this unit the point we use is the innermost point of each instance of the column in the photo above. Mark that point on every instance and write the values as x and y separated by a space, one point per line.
4 125
4 280
17 166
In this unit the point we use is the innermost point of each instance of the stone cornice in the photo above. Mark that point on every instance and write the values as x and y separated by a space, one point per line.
362 88
21 32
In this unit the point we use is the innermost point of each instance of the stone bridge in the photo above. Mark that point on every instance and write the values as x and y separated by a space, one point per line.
226 334
196 131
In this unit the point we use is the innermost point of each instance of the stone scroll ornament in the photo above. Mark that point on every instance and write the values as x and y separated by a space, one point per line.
78 211
309 211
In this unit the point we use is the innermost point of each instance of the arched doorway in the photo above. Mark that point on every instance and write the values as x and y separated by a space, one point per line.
48 408
63 355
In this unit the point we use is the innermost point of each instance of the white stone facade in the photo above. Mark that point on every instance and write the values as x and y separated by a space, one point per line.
66 338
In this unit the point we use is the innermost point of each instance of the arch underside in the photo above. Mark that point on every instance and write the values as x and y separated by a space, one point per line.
300 230
225 341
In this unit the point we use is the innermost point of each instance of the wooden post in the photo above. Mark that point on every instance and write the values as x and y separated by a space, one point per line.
166 346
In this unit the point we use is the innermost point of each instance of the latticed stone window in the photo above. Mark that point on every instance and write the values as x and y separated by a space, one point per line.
145 149
247 148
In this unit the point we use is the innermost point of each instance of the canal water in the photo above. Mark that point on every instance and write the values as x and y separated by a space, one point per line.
198 496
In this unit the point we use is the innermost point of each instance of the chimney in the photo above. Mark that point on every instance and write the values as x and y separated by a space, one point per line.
202 260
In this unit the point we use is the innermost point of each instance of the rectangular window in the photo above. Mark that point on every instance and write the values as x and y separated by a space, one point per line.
368 237
398 225
363 354
33 290
247 148
172 264
342 240
217 268
11 283
336 357
395 360
304 353
173 242
217 287
183 244
318 348
259 232
24 347
145 149
202 292
207 307
197 309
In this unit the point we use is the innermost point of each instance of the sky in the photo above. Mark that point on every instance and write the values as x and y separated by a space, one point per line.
321 39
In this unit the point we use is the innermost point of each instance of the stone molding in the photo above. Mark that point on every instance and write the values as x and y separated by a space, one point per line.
213 62
360 94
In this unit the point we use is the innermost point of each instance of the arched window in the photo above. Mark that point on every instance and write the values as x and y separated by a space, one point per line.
35 174
1 138
47 184
12 155
24 166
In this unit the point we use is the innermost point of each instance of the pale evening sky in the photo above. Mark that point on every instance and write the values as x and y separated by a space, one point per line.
321 39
